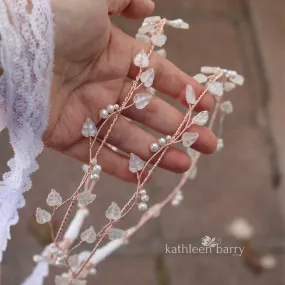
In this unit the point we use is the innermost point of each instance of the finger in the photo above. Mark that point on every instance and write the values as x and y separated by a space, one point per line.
132 139
111 162
164 118
131 8
169 79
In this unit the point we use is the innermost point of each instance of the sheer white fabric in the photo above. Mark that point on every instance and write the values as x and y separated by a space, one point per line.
26 48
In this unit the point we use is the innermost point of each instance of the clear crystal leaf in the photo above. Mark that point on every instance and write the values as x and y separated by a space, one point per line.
220 145
179 24
59 280
141 59
229 86
189 138
89 235
238 79
135 163
190 95
159 40
147 77
54 199
201 78
227 107
162 52
145 28
116 234
152 20
216 88
208 69
113 212
143 38
141 100
85 198
202 118
193 174
73 261
42 216
89 129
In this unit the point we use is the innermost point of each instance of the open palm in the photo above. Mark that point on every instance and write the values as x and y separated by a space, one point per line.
94 68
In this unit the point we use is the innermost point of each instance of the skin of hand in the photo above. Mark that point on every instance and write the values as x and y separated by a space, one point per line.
93 68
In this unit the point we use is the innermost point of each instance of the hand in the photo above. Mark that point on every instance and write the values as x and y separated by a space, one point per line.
93 68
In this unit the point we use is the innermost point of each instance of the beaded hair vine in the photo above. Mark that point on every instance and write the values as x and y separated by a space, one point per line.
60 253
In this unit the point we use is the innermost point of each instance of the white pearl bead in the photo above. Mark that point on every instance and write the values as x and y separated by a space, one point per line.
154 147
95 176
116 107
144 198
162 141
143 192
168 138
110 109
103 114
97 169
142 207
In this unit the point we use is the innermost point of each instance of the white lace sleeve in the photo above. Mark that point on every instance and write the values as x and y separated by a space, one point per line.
26 32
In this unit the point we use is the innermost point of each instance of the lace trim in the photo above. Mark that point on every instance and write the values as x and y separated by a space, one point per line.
27 58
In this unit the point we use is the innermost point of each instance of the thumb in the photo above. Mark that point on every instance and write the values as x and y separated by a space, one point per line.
131 8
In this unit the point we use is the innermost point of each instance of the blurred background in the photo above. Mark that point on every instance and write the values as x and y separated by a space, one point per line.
244 180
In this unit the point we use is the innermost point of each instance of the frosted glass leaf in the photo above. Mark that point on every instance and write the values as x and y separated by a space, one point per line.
141 59
191 152
190 95
73 261
89 129
116 234
146 28
208 69
162 52
238 79
229 86
141 100
89 235
159 40
143 38
147 77
152 20
59 280
85 198
189 138
193 174
201 78
54 198
220 145
179 24
227 107
85 167
42 216
135 163
216 88
113 212
201 119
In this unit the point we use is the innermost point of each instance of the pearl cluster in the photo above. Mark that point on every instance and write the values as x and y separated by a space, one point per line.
104 113
154 147
142 206
95 174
